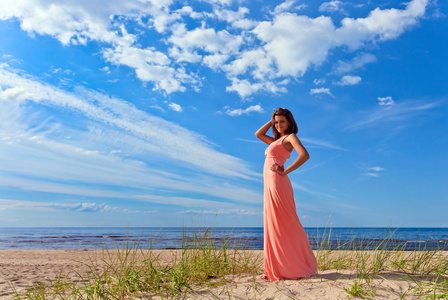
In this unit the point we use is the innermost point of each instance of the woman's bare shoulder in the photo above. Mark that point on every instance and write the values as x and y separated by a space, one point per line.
291 137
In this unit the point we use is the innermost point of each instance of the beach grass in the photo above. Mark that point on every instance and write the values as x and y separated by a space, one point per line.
374 263
202 267
132 272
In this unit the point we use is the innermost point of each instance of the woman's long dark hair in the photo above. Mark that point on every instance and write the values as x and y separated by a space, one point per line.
288 115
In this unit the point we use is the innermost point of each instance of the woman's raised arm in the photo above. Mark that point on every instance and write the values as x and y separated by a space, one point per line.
261 133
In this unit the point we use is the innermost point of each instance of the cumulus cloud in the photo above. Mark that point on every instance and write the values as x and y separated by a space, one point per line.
82 22
149 65
175 107
248 110
349 80
255 56
187 43
380 25
235 18
294 52
386 100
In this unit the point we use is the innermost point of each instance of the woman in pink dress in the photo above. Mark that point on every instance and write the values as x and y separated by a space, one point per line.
287 251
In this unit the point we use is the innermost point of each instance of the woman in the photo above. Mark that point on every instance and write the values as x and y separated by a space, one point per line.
287 251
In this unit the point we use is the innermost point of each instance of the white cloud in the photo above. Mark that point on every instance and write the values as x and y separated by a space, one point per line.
380 25
150 66
175 107
106 70
373 171
386 100
392 114
187 43
288 5
320 144
258 61
113 145
295 51
223 212
215 61
319 81
81 22
75 207
165 138
245 88
349 80
284 51
320 91
235 18
331 7
248 110
356 63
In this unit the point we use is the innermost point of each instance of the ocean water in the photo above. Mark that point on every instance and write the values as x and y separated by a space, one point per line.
242 237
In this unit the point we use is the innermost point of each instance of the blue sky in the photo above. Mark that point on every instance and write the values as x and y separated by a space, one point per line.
143 113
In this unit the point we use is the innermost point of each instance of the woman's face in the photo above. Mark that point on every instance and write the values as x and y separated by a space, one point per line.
281 124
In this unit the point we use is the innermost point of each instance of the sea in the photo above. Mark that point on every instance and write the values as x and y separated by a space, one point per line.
407 239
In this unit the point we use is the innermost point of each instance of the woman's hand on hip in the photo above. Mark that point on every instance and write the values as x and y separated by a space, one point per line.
279 169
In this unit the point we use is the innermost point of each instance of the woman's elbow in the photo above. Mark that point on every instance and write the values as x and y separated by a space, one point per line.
306 156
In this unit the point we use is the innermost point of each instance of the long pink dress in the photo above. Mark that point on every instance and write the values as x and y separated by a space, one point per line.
287 251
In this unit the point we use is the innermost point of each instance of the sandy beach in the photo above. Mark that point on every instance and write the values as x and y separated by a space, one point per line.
23 268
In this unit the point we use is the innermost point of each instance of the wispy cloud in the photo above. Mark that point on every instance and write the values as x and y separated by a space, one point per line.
115 152
357 62
322 90
239 111
396 113
223 212
348 80
332 6
310 142
373 171
84 207
160 136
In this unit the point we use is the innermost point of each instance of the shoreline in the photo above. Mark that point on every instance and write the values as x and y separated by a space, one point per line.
25 267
